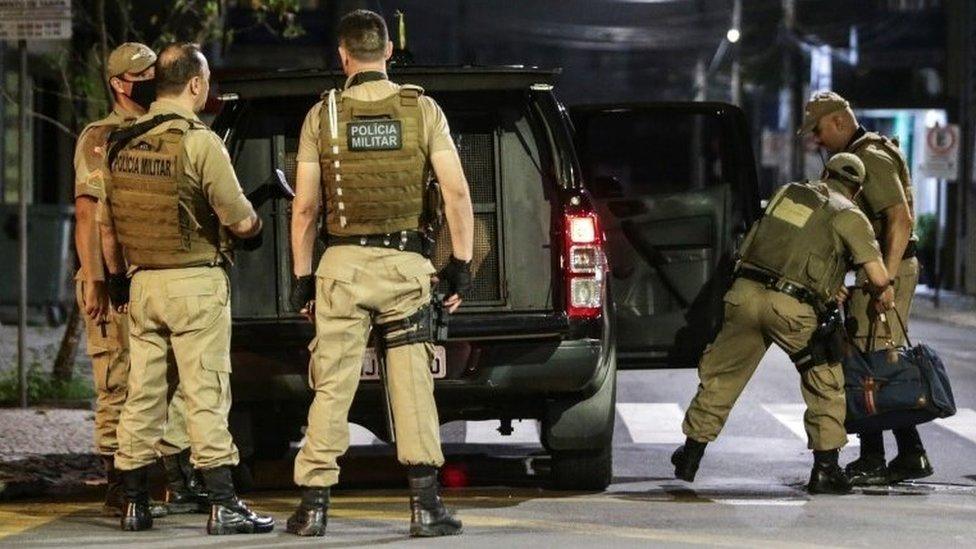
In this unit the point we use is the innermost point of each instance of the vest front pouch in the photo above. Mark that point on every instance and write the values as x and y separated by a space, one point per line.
154 228
373 165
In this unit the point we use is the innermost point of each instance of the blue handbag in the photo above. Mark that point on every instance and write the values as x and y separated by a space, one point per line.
895 388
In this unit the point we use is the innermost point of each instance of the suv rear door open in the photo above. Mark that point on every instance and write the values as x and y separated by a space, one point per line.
675 188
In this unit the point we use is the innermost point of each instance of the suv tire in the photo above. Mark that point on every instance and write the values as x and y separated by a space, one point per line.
582 469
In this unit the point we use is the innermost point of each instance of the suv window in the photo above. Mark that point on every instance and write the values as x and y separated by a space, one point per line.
662 152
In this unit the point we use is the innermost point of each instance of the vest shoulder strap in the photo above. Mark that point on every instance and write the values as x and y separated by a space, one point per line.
410 95
121 137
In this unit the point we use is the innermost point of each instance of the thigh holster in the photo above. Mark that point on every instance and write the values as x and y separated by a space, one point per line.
427 325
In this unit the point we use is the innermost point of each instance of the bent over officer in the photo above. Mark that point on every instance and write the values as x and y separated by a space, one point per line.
171 199
366 153
130 74
887 201
792 265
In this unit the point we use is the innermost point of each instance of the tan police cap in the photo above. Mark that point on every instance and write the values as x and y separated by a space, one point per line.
820 105
846 167
129 57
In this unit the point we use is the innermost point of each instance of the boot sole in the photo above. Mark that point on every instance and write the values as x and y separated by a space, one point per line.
306 532
435 531
874 481
238 529
894 479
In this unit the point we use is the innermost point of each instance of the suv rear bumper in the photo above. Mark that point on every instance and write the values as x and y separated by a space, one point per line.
500 373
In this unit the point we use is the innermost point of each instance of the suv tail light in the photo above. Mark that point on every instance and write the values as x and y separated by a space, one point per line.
584 265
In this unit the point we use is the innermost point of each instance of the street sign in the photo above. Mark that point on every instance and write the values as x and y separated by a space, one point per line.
941 158
35 19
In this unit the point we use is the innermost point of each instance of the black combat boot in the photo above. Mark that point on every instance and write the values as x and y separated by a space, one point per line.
911 462
228 514
428 516
687 458
907 466
827 477
184 490
867 470
312 514
136 515
114 498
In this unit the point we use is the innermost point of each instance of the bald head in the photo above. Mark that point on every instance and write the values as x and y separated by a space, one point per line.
182 72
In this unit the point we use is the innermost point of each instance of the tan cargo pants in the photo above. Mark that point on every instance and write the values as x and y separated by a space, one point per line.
108 347
357 286
862 311
755 317
185 312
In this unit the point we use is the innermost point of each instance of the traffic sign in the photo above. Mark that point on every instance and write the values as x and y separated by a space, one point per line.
941 158
35 19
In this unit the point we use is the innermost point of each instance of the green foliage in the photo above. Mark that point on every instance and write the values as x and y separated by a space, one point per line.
41 386
926 228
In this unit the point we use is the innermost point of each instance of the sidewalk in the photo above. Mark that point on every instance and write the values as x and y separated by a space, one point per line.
953 308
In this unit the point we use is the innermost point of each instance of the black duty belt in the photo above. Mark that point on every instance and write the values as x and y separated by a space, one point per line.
781 285
407 241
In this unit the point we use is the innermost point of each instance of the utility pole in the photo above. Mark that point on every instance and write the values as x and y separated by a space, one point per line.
22 232
701 80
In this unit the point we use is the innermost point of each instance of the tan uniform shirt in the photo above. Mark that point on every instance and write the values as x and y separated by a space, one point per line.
855 231
206 167
90 169
883 186
436 132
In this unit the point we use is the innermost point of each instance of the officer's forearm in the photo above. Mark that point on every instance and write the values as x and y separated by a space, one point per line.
247 227
877 274
111 250
460 221
898 230
86 231
303 221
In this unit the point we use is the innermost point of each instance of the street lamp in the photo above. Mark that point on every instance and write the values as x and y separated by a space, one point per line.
733 35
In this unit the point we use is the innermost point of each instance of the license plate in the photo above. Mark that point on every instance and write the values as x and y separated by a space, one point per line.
371 364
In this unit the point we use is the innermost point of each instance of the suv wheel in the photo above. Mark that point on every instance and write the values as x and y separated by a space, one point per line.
582 469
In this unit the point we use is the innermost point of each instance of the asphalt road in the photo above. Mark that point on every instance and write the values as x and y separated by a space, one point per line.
748 493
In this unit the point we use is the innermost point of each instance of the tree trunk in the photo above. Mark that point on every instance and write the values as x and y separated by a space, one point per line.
103 46
64 364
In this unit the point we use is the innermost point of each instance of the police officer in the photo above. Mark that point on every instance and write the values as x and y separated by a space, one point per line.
171 200
365 153
887 201
130 74
792 265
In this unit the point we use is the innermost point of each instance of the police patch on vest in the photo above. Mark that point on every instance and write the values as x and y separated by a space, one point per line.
149 165
792 212
374 135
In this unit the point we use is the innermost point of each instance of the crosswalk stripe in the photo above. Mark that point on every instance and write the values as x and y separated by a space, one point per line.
361 436
962 424
652 422
486 432
791 416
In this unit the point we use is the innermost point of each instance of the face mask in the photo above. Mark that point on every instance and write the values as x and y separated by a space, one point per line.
143 92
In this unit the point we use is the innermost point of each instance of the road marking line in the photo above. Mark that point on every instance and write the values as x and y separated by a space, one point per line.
962 424
652 422
17 518
361 436
763 502
486 432
791 416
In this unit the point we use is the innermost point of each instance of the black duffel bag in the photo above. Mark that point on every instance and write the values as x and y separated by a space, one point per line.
894 388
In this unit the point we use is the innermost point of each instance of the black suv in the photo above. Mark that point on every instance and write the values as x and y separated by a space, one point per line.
538 338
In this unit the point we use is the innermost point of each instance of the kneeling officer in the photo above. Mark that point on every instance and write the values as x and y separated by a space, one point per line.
792 265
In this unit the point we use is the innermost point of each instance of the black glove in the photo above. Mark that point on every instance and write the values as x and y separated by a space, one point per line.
253 243
457 274
302 291
118 289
